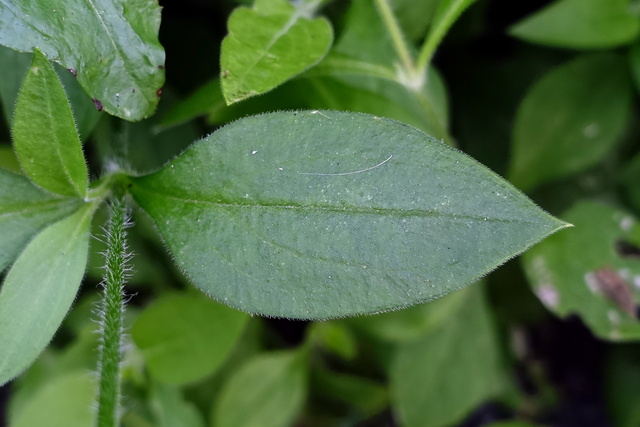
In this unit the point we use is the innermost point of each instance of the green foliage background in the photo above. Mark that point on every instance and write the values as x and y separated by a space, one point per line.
544 93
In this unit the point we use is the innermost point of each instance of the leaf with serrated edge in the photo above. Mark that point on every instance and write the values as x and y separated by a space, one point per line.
39 289
44 133
321 214
24 210
269 44
111 45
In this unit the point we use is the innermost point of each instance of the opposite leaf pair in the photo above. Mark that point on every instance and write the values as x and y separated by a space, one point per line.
312 214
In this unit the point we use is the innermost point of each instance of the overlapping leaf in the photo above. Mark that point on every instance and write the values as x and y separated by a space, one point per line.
44 133
24 210
111 45
43 282
183 338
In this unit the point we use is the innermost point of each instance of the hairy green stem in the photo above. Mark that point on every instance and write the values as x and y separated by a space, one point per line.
398 39
111 312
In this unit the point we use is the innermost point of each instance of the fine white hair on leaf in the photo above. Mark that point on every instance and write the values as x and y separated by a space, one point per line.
348 173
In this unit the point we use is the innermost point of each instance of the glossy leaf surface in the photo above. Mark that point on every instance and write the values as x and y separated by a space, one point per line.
580 24
442 376
39 290
44 133
589 270
268 44
322 214
570 118
24 210
111 45
183 338
268 391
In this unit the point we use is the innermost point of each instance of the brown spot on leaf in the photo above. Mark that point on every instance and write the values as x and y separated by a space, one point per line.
73 71
97 103
159 93
160 67
616 289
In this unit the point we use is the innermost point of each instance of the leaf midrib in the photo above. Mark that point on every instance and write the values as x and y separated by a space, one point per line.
346 209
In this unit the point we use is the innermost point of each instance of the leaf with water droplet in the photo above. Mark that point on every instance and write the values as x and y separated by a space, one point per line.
112 48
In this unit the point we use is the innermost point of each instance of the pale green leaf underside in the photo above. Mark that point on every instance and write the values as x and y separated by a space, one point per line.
570 119
321 214
24 210
39 289
112 45
184 338
580 24
44 133
562 270
267 45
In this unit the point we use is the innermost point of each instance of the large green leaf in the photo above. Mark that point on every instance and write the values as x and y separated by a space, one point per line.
268 44
112 46
66 401
268 391
24 210
39 289
318 214
570 119
44 133
589 270
183 338
580 24
439 378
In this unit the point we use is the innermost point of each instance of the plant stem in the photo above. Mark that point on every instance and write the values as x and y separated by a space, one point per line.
399 42
111 314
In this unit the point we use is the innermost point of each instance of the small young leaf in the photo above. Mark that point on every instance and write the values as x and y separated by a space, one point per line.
44 133
268 391
24 210
269 44
439 378
569 119
15 66
580 24
592 270
184 338
39 289
65 401
113 49
323 214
